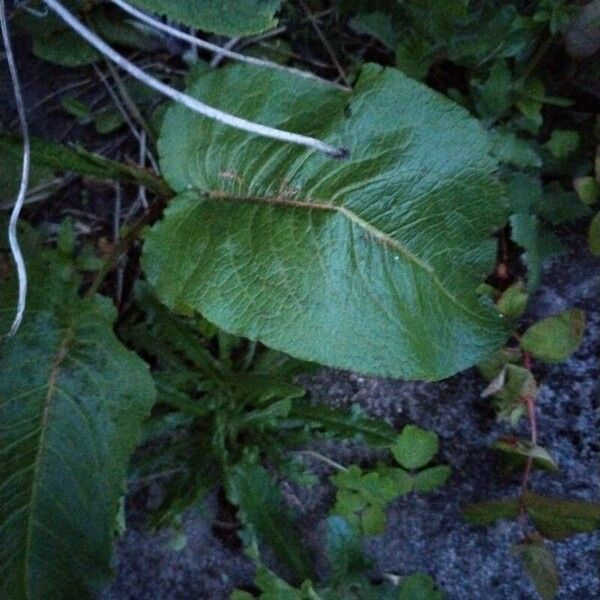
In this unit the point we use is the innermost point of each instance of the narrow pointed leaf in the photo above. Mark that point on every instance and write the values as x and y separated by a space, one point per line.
71 402
48 156
344 423
489 511
557 518
261 509
369 263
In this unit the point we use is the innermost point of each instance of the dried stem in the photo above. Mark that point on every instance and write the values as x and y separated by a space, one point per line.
325 42
199 43
14 217
188 101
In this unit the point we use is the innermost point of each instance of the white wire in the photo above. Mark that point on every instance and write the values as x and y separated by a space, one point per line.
218 50
189 101
14 217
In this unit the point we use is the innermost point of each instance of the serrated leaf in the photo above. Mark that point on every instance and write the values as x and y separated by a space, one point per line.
226 17
539 563
72 399
415 447
253 491
419 587
51 156
345 424
555 338
311 255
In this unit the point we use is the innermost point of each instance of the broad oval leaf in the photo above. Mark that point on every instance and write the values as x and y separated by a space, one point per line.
555 338
539 563
71 402
227 17
369 263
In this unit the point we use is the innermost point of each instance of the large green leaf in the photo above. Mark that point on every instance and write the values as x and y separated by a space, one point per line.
71 402
369 263
228 17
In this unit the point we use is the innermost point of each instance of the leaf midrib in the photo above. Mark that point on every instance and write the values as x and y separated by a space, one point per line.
57 361
377 234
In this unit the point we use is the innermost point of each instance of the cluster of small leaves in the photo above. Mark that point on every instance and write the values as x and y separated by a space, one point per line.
552 340
513 389
363 497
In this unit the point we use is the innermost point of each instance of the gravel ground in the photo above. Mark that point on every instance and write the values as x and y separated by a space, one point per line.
427 533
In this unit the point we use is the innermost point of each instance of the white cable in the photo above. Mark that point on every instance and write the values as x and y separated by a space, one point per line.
189 101
218 50
14 217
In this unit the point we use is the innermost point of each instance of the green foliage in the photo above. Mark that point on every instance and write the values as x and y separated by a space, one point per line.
362 497
388 267
554 339
347 579
594 235
587 189
55 42
562 143
415 447
419 587
540 565
513 301
50 157
520 450
227 17
373 263
554 518
250 487
72 399
231 407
